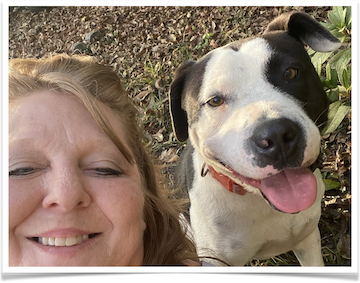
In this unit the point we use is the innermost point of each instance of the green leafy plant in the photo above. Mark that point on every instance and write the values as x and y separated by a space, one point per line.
205 40
336 76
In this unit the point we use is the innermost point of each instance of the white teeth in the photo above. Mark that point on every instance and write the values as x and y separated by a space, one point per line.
44 241
71 241
51 241
60 242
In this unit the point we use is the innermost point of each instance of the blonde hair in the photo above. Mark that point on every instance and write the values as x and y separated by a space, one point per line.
165 241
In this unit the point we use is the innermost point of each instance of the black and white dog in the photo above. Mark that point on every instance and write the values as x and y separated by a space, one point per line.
252 111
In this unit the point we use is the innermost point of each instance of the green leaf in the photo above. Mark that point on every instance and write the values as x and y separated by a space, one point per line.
345 79
342 56
333 94
328 26
348 17
342 89
330 184
343 29
318 59
343 18
333 108
311 52
331 76
340 62
337 113
335 16
337 10
349 71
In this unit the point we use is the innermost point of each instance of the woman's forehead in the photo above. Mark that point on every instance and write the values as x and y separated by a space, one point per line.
46 114
46 111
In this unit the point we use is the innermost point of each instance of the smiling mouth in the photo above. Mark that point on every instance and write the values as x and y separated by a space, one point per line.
63 242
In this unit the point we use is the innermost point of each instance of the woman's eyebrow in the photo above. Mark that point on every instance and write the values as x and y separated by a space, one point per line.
26 155
21 144
31 147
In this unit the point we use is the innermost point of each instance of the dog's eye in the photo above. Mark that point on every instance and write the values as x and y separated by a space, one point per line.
216 101
290 73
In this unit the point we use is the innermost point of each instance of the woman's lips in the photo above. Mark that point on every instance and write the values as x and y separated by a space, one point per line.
63 241
62 238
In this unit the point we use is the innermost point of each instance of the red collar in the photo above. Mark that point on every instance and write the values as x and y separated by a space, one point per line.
227 183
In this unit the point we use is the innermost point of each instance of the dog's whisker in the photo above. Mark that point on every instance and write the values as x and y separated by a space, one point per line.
304 104
322 124
317 119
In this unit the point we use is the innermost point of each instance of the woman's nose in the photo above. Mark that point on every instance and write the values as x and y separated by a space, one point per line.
66 189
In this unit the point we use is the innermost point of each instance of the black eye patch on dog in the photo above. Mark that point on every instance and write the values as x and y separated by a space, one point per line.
305 87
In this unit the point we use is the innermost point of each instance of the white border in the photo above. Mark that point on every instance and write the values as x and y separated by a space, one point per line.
5 138
193 271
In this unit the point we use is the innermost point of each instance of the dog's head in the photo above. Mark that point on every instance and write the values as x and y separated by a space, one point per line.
253 108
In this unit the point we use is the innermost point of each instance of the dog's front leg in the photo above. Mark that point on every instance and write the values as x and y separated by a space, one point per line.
308 252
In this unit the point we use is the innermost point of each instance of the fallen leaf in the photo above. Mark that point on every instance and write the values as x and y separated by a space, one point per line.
169 155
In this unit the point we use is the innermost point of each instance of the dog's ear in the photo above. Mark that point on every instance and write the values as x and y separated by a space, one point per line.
177 113
305 28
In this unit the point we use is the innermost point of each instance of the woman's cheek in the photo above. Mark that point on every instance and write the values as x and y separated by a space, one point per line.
24 198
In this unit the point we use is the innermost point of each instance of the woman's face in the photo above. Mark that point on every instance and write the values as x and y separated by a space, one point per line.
74 199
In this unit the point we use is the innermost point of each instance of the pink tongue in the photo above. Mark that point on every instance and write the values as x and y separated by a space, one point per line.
291 190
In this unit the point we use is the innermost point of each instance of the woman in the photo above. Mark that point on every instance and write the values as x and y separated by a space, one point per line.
83 190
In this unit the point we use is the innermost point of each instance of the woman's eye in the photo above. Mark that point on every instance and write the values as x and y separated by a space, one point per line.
105 172
21 171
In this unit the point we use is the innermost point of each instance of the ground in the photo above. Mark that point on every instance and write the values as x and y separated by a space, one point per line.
145 45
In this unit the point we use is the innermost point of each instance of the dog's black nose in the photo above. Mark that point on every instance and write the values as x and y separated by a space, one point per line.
278 142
